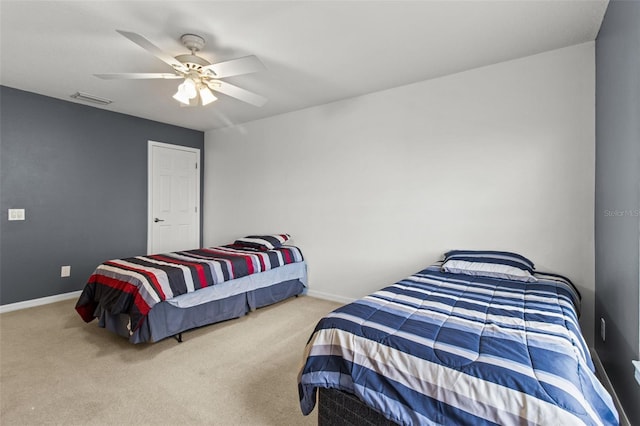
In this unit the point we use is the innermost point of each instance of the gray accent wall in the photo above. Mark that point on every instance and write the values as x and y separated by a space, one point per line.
617 198
81 175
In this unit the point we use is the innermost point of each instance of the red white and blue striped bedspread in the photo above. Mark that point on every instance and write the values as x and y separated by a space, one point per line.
134 285
447 349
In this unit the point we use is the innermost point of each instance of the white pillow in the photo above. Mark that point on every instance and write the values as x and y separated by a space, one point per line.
492 270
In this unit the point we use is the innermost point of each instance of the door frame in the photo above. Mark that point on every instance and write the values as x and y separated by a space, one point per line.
150 146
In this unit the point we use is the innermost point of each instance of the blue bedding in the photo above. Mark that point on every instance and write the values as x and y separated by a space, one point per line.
447 349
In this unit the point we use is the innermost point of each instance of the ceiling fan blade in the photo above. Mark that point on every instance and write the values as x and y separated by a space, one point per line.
238 93
245 65
137 76
153 49
230 125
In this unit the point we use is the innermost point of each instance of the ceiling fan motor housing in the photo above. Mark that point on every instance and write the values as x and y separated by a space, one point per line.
192 42
193 62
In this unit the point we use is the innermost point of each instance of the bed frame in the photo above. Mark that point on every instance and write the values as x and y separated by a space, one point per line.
338 408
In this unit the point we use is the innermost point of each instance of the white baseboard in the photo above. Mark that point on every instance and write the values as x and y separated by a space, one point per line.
329 296
624 420
37 302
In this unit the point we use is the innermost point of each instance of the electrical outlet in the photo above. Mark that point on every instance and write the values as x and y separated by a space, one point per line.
65 271
603 329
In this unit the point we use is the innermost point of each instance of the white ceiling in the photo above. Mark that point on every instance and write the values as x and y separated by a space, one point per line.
315 51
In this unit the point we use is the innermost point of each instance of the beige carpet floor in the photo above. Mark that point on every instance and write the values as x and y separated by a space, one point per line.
55 369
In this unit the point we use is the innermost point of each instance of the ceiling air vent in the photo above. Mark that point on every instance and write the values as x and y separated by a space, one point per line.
91 98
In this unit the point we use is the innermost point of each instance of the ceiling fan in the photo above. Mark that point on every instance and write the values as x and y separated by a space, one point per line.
200 76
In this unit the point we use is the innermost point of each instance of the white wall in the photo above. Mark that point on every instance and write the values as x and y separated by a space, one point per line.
376 187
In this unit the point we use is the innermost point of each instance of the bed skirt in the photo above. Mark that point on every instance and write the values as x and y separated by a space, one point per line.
166 320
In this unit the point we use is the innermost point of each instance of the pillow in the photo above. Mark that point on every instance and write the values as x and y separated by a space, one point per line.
494 264
491 270
497 257
263 242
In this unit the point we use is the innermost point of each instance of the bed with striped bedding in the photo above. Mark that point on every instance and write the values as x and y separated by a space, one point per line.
442 348
134 286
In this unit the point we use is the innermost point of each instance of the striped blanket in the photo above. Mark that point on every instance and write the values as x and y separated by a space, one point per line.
134 285
448 349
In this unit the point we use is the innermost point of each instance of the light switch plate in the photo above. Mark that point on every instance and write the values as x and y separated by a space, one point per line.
636 365
16 214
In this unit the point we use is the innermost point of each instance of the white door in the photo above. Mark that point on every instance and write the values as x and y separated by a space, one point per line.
174 198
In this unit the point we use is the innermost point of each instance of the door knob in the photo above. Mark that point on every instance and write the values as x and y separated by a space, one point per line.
158 220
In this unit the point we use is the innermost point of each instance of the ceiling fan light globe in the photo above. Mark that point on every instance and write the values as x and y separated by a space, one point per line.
189 88
207 96
181 97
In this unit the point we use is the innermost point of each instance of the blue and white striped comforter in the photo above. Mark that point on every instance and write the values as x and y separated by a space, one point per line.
441 348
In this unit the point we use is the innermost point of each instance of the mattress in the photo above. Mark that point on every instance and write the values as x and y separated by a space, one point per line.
292 271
